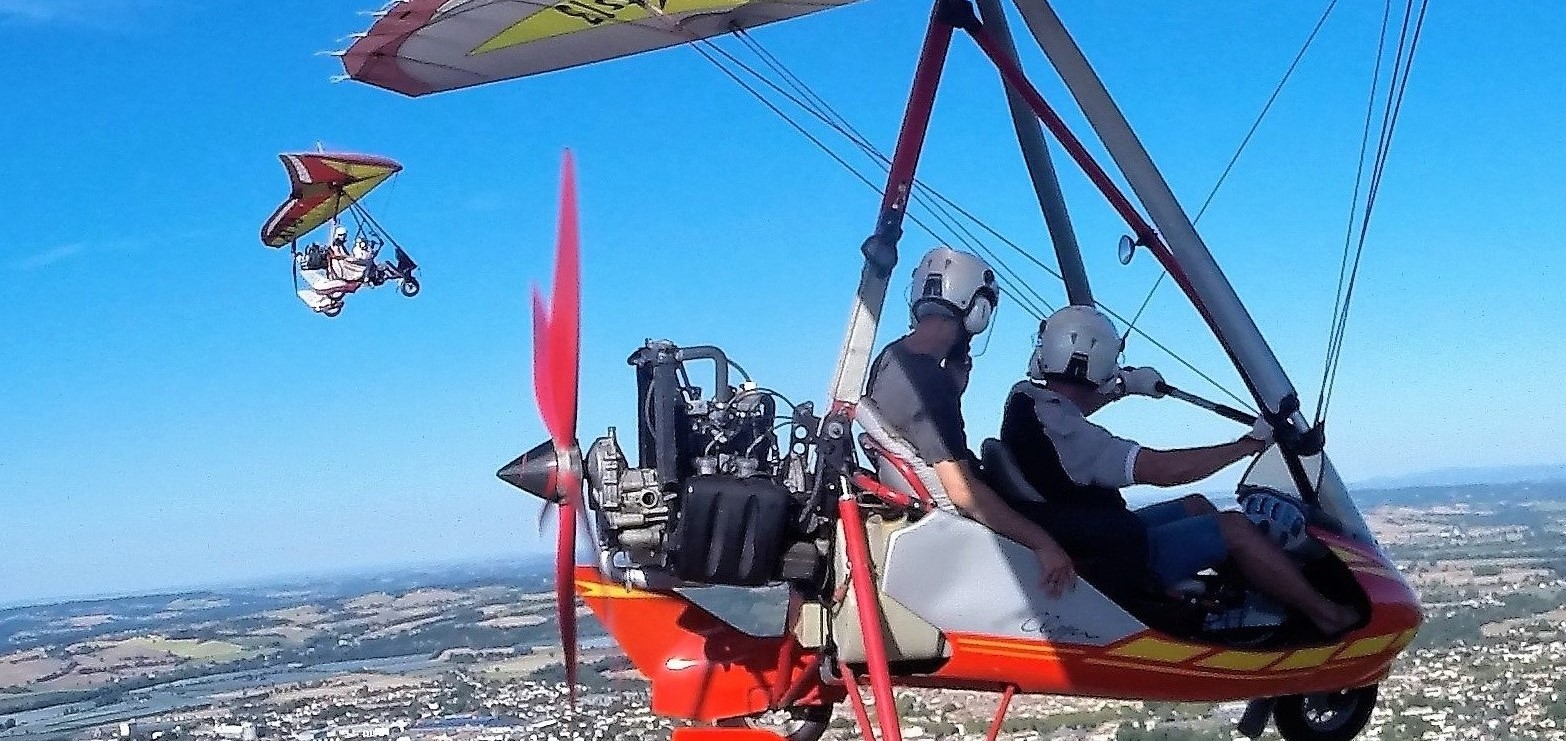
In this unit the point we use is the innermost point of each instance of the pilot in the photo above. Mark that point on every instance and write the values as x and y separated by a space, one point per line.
1079 467
917 383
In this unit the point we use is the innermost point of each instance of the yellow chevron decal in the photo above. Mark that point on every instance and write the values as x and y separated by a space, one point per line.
1367 646
1405 638
1240 660
1175 670
1156 649
1306 658
1352 558
1377 571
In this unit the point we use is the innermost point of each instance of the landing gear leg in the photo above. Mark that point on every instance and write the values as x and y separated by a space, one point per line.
1254 722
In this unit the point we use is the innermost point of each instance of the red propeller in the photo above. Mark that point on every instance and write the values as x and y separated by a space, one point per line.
553 470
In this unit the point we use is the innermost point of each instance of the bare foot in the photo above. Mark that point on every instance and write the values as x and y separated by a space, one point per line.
1335 620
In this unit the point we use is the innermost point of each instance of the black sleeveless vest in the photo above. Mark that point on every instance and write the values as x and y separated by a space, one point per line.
1092 523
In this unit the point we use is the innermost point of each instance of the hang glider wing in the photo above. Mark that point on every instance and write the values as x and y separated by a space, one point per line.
323 186
419 47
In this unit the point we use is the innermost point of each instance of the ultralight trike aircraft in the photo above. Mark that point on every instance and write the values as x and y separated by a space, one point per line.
886 590
322 187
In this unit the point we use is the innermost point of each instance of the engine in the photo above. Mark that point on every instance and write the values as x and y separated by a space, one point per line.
716 497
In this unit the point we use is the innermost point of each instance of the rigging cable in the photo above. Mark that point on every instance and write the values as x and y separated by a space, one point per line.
1402 67
1020 287
846 128
942 204
1244 142
1348 227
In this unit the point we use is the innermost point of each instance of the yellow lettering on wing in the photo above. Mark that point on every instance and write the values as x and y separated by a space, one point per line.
571 16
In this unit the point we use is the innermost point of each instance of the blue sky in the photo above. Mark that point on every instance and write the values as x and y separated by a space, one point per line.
173 415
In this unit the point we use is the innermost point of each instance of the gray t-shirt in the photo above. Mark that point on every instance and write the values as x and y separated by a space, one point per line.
919 399
1088 454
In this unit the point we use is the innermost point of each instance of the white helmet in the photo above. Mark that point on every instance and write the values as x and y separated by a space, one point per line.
339 234
1078 342
960 283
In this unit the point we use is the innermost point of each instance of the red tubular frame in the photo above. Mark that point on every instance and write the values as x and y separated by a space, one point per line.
866 731
916 121
1145 233
861 577
894 206
1000 713
881 491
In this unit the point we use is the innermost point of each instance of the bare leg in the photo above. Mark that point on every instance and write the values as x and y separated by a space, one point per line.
1270 570
1196 504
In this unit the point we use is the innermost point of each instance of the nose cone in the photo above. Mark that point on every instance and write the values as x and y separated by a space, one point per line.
535 472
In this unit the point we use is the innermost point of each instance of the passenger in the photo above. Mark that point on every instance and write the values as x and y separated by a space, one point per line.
1079 467
917 383
359 264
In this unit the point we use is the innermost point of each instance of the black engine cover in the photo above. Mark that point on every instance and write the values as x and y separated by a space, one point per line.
731 531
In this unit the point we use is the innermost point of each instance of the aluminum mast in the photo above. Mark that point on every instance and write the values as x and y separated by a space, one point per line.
1035 152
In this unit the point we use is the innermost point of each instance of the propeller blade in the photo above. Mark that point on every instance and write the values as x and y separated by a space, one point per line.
544 381
565 576
557 350
565 313
545 514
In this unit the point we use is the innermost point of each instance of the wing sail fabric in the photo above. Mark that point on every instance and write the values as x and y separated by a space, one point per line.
419 47
322 186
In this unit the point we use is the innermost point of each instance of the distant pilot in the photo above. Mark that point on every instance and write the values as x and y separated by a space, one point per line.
323 270
1079 468
916 384
357 264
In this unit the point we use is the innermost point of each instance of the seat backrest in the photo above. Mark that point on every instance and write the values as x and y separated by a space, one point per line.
896 459
1004 474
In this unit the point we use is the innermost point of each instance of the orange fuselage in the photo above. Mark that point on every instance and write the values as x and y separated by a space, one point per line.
704 670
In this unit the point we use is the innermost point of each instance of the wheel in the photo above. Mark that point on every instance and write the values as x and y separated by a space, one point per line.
807 723
1325 716
333 310
409 287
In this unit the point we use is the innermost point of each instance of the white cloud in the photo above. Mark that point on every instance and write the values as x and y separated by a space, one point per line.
92 13
39 11
44 258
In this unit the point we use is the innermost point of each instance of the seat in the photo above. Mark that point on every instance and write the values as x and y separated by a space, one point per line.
1002 472
898 465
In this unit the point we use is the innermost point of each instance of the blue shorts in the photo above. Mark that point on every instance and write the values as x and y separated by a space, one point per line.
1180 544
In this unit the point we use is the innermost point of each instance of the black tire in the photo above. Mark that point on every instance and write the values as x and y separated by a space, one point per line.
333 310
1325 716
409 287
807 723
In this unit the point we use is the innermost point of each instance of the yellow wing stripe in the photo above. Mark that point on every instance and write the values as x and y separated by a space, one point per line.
571 16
